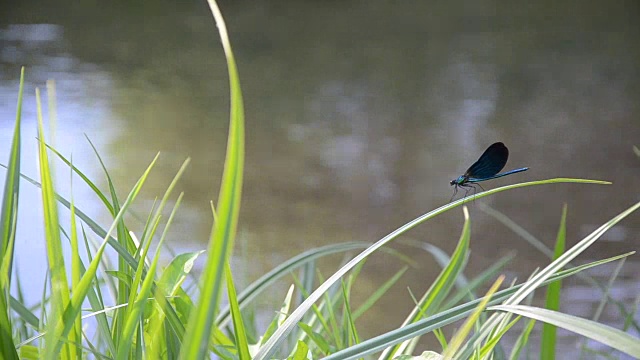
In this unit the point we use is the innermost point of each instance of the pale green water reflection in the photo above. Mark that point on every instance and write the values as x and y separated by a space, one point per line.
358 115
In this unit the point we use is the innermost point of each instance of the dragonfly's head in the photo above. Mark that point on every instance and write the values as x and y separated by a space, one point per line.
458 181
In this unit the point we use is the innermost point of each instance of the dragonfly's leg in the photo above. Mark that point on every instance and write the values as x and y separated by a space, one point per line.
455 191
475 189
467 188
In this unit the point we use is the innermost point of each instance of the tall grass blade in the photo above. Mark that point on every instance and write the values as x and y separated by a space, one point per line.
76 274
9 211
549 332
201 321
8 226
242 345
59 285
350 326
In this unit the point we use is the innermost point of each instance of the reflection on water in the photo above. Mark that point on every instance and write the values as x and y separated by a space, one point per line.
357 118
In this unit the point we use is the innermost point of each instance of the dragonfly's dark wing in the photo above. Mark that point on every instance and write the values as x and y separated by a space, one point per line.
490 163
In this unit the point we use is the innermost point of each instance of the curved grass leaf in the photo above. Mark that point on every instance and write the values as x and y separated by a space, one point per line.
607 335
269 348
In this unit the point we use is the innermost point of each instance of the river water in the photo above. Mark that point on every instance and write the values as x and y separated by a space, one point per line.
358 115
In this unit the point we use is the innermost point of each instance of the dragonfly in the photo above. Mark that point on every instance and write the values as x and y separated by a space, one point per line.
486 168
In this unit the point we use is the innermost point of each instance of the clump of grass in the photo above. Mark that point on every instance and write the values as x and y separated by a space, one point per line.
153 316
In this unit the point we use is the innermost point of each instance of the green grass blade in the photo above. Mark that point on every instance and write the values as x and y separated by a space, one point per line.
610 284
489 347
23 312
176 272
607 335
242 345
66 320
76 274
569 255
97 303
468 291
154 216
125 242
548 341
264 282
330 299
439 290
23 331
9 211
97 229
202 318
522 341
59 285
463 332
133 317
168 286
531 239
301 352
267 350
148 234
373 298
8 223
605 298
280 315
352 332
84 178
315 338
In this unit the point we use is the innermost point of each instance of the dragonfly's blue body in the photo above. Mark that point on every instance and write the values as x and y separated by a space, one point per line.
486 168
